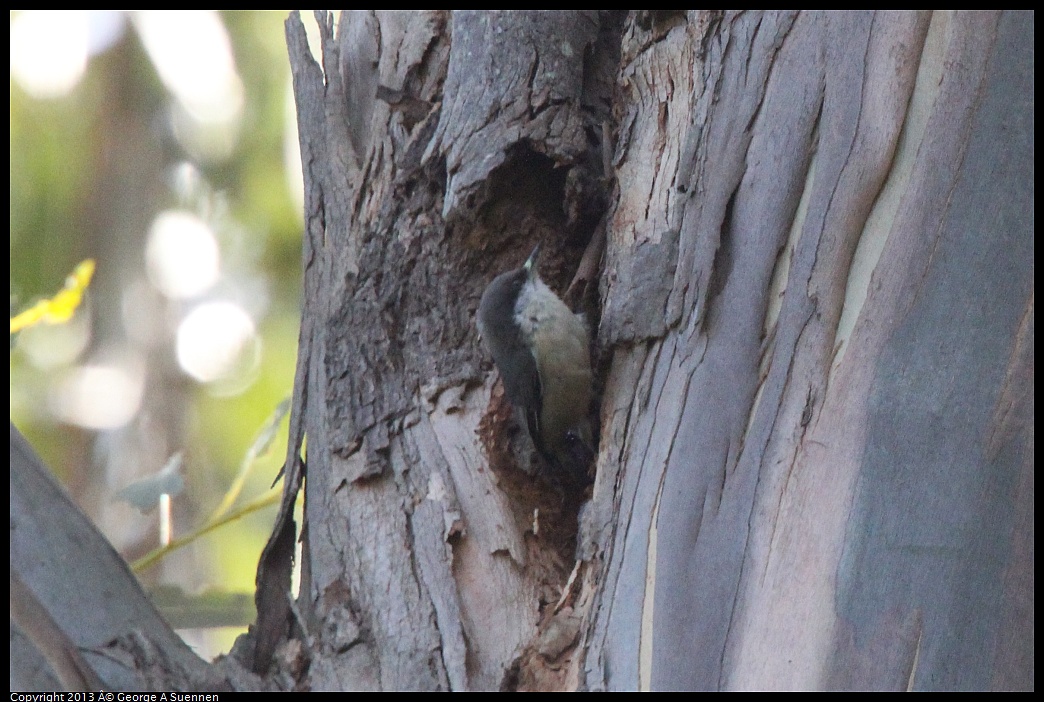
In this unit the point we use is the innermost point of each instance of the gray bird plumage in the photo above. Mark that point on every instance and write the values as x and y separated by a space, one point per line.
541 349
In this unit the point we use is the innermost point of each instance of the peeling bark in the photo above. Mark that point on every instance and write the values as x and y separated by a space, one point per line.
441 564
779 463
814 336
804 494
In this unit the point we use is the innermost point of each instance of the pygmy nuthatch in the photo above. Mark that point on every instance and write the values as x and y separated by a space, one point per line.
541 350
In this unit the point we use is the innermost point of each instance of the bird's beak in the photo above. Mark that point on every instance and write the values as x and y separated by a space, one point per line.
531 263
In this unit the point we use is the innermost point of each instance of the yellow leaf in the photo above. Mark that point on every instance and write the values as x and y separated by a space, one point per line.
61 307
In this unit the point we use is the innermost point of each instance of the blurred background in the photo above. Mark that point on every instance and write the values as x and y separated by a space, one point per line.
163 146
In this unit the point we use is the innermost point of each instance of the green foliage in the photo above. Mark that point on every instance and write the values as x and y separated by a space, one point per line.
90 171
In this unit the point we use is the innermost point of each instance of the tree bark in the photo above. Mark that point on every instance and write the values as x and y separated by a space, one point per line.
825 445
440 149
79 619
814 343
786 446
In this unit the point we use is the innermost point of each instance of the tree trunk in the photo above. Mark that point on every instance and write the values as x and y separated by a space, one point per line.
440 149
814 344
821 458
817 440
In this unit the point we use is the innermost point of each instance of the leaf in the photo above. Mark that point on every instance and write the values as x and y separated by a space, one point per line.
262 442
144 494
60 308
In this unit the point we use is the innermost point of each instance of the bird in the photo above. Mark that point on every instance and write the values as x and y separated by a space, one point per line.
542 350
